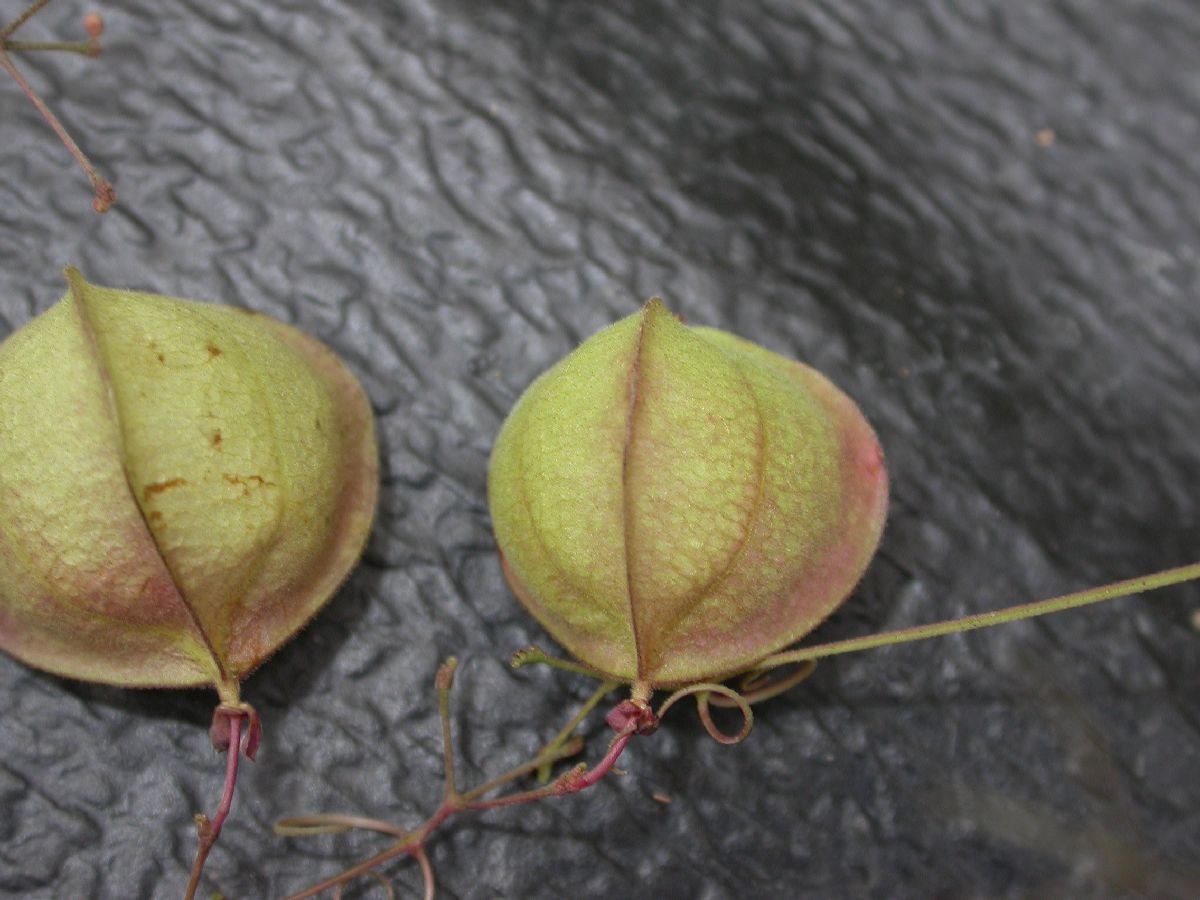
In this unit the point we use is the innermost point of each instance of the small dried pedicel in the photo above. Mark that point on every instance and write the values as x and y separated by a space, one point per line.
182 487
675 503
105 194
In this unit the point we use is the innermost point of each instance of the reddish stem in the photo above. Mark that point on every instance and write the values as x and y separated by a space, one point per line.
210 829
578 779
106 195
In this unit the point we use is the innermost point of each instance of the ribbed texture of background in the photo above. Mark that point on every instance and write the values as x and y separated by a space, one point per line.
980 219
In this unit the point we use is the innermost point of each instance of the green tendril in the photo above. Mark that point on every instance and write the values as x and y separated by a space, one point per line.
702 692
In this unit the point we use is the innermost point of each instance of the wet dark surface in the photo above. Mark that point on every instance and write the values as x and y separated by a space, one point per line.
979 219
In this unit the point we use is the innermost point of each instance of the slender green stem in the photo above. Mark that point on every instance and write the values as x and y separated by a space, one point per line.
445 682
11 28
362 868
546 758
333 823
564 734
570 782
531 655
984 620
412 843
83 48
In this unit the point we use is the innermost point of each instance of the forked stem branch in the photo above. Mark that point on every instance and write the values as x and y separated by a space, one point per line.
635 716
105 194
32 10
413 843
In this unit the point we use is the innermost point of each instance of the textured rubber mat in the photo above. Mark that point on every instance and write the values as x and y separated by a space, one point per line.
980 219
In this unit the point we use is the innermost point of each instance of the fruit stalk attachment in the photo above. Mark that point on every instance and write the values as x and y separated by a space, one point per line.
229 737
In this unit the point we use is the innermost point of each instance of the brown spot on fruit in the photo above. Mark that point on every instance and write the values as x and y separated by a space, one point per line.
213 351
216 439
246 482
159 486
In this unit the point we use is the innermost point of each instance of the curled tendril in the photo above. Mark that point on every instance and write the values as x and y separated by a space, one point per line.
757 685
702 693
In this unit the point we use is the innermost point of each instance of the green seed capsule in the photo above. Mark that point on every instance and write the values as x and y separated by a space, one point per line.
182 486
673 503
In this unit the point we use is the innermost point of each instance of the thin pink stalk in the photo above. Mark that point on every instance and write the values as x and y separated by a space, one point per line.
578 779
413 843
572 782
426 874
210 829
105 194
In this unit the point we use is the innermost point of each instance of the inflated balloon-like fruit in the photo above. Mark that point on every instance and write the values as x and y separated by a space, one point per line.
182 487
676 505
673 504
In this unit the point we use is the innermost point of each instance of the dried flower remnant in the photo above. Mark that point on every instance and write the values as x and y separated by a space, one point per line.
136 551
676 506
105 194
